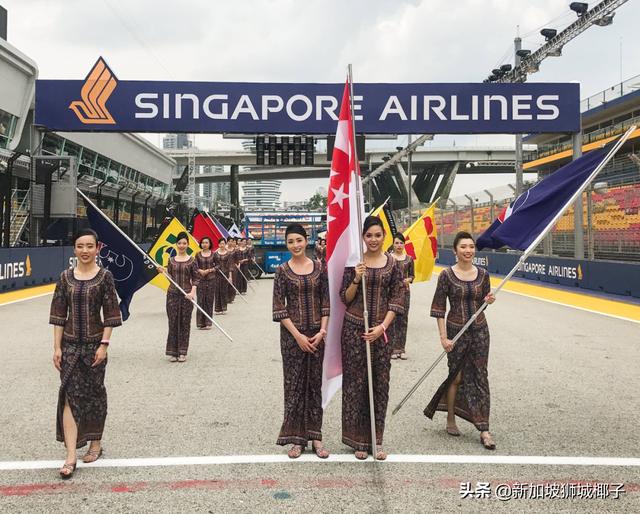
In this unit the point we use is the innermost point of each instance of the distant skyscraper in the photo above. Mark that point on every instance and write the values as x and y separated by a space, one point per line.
176 141
261 195
219 191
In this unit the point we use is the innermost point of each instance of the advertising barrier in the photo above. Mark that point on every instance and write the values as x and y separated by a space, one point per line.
609 277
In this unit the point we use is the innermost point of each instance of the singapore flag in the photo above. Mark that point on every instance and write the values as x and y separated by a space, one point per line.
344 241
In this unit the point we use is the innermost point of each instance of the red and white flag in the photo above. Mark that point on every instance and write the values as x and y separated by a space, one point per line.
344 241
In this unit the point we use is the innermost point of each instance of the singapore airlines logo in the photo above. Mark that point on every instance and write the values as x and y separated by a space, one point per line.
95 92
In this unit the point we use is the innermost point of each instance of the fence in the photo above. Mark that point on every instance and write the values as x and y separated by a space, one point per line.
611 214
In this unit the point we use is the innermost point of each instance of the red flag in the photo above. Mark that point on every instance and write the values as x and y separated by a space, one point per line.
202 227
344 241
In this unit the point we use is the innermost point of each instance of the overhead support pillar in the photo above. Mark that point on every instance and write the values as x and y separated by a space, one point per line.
445 186
234 192
133 215
576 141
472 212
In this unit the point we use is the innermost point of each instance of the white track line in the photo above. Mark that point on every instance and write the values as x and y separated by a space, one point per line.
283 459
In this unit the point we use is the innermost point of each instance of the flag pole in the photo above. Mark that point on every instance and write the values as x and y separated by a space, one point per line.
365 313
523 258
145 254
231 284
245 277
254 260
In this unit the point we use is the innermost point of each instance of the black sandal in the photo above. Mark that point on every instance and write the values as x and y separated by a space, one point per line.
71 468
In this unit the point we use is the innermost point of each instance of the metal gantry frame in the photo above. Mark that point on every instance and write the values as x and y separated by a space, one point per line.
601 15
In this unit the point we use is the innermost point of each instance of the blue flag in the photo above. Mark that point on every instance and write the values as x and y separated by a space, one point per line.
130 269
529 215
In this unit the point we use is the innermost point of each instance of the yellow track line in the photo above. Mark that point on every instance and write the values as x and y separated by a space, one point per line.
584 302
26 294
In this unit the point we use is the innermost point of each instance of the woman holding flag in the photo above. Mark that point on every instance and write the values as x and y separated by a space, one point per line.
301 306
465 392
243 266
232 260
222 276
183 269
385 298
398 333
207 285
81 339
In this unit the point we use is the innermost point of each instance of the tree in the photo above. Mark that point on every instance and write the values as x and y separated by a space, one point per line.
317 202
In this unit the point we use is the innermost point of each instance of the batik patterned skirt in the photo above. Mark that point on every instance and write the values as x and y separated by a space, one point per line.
83 387
302 391
206 298
398 329
356 422
179 311
470 356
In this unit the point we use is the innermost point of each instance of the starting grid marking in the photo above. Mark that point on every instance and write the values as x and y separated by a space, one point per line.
536 460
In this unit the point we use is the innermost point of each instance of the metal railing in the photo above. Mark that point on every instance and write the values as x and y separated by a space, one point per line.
612 93
611 214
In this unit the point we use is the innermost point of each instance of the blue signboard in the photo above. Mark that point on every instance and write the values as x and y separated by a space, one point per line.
101 102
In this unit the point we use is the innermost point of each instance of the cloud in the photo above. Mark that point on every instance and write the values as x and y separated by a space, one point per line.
314 40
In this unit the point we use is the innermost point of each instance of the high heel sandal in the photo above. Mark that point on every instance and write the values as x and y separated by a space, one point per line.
92 455
319 450
487 442
295 451
381 454
361 454
71 468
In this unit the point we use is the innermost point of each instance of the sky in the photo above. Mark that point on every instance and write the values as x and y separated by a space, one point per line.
314 40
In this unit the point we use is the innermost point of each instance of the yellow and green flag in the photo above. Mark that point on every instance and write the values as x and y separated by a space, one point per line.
384 213
165 247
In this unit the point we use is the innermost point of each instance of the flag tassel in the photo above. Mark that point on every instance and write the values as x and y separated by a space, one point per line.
523 258
145 254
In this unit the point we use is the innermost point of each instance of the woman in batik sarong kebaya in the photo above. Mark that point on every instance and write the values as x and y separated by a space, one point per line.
207 285
232 249
81 338
222 276
243 265
182 268
465 392
301 306
398 333
385 300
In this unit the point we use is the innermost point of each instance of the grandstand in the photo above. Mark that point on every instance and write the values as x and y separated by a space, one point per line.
611 209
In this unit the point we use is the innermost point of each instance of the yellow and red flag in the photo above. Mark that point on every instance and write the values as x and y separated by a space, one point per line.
422 244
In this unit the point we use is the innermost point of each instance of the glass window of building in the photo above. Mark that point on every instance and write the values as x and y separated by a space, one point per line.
52 144
7 128
102 167
114 172
87 162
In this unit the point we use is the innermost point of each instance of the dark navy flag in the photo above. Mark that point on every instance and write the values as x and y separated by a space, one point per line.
130 269
528 215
